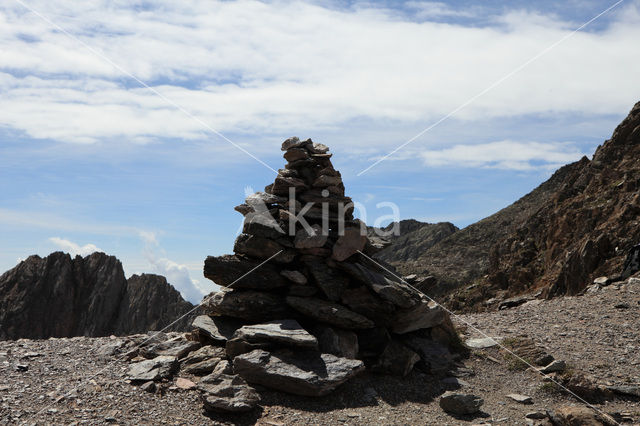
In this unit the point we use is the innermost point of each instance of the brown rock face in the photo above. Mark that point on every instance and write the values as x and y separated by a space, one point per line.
58 296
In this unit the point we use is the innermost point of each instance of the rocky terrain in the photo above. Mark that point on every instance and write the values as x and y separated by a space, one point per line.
578 225
67 380
61 296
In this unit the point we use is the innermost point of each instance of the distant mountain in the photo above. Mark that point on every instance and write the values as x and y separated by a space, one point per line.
60 296
575 226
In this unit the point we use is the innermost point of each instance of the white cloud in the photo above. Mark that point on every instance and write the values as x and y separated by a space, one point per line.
257 67
73 248
435 9
504 155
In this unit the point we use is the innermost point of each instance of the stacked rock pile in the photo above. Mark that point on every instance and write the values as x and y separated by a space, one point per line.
303 307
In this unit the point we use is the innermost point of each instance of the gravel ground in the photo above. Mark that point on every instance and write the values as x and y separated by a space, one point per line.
588 332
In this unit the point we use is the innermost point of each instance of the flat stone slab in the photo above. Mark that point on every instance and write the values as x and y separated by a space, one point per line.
159 368
522 399
247 305
460 404
297 372
424 315
330 313
227 393
236 271
482 343
219 329
176 348
280 332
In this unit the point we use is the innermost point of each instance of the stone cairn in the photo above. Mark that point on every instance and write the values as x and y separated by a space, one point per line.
303 307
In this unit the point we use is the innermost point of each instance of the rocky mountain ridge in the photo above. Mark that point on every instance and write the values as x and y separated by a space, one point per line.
61 296
574 227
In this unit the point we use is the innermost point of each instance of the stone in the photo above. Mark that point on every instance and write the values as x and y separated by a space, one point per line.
282 184
629 390
149 386
159 368
223 367
602 281
237 346
263 225
348 244
513 302
362 301
294 276
318 148
460 404
219 329
522 399
555 367
264 198
434 357
296 154
372 341
286 332
262 248
294 142
299 373
203 354
324 180
399 294
328 312
176 348
482 343
248 305
543 360
203 367
314 238
536 415
237 272
329 280
424 315
396 359
184 384
227 393
342 343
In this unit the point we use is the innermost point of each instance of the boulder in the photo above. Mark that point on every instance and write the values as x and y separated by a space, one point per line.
460 404
286 332
227 270
219 329
159 368
328 312
299 373
424 315
227 393
247 305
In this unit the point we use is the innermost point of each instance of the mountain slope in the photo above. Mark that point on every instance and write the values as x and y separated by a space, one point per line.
58 296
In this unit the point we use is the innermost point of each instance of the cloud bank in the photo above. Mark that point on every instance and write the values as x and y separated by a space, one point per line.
73 248
263 67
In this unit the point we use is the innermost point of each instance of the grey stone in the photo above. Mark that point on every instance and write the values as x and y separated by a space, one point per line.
483 343
235 347
159 368
602 281
435 357
223 367
318 148
362 301
294 142
424 315
460 404
323 181
203 354
176 348
203 367
629 390
555 367
384 285
286 332
522 399
330 313
262 197
338 342
536 415
396 359
300 373
219 329
262 248
227 393
248 305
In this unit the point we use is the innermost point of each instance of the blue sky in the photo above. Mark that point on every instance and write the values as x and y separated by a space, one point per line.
90 159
